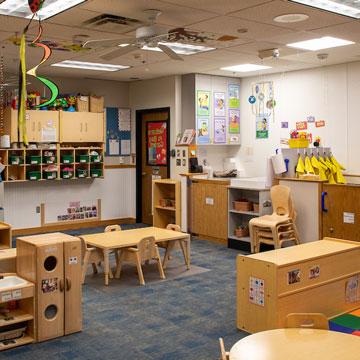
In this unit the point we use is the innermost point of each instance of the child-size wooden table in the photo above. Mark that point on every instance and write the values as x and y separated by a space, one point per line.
108 241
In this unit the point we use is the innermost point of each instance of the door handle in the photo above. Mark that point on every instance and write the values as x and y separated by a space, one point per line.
86 127
81 127
323 208
61 285
33 126
39 126
68 284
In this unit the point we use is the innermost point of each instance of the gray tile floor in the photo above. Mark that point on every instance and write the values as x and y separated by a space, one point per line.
181 318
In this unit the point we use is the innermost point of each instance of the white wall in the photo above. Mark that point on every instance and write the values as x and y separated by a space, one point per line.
158 93
328 93
116 191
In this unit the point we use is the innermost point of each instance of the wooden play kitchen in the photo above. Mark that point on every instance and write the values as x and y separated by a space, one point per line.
321 276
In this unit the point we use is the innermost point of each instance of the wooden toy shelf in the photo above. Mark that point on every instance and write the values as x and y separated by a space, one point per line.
23 315
5 236
74 161
166 190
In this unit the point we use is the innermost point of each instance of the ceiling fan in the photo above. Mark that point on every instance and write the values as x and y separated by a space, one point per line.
150 36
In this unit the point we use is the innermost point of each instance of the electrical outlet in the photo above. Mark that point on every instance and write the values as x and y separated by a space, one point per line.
38 209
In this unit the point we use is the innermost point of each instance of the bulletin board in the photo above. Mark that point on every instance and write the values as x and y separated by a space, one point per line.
118 132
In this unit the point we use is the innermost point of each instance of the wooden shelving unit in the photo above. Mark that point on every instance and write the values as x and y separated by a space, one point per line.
30 164
236 217
170 190
5 236
23 315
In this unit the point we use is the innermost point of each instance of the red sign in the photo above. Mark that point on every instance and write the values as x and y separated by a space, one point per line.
320 123
301 125
156 135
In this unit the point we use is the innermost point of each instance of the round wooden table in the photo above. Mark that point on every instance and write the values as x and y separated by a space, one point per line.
297 344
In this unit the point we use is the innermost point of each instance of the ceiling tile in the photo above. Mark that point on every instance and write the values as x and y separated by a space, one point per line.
172 14
267 12
216 6
229 26
348 31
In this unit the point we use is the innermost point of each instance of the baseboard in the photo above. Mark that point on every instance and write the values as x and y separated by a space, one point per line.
211 239
62 227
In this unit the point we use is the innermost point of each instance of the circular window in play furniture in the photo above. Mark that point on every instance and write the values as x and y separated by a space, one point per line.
51 312
50 263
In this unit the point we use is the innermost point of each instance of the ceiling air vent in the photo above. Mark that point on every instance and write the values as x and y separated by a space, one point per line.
108 22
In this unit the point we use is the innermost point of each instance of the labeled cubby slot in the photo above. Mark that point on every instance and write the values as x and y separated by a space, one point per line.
33 172
15 173
33 157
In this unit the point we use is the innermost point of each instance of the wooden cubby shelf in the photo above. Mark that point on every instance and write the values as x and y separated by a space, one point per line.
166 190
52 164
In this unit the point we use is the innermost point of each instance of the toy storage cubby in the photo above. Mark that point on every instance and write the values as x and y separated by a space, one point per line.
5 236
17 313
166 202
53 162
243 205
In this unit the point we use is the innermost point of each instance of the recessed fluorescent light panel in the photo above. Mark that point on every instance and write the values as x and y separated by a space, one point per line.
20 8
245 68
181 49
325 42
343 7
89 66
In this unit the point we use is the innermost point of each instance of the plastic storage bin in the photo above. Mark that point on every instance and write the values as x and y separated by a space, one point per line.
67 159
33 175
95 158
50 175
34 159
16 160
83 158
81 173
49 159
67 174
96 173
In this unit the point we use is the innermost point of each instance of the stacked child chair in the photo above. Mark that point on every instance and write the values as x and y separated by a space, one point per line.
279 227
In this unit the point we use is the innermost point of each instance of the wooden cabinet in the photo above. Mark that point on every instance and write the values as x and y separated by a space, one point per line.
81 127
209 209
341 211
41 125
314 277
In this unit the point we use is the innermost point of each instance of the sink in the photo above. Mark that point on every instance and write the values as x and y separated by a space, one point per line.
11 281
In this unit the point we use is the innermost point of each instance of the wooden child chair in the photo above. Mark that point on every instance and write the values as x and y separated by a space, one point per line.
171 245
307 321
93 256
279 227
225 355
145 250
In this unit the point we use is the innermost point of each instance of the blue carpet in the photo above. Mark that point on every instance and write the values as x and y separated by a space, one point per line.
177 319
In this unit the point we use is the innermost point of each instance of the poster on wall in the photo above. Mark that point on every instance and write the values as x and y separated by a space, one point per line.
77 211
219 104
203 132
234 121
203 102
234 96
262 126
156 143
219 130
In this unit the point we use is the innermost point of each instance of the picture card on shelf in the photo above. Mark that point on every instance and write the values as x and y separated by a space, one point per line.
187 137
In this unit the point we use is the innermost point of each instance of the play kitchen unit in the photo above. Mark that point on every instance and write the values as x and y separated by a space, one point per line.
42 300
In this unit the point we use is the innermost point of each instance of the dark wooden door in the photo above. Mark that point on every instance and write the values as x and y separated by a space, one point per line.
155 158
341 212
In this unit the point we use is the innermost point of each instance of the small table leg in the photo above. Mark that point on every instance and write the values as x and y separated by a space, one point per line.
106 266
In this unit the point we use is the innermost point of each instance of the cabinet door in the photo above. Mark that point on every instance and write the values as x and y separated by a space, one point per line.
50 291
47 126
341 212
72 268
30 122
94 127
71 127
209 215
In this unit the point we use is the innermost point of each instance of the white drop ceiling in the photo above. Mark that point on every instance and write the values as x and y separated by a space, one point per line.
217 17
